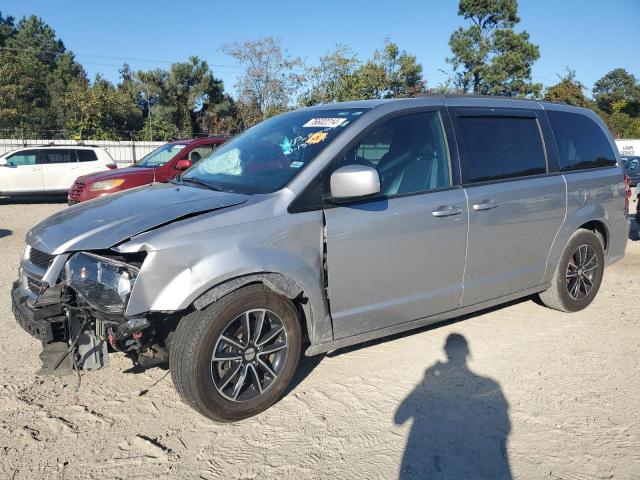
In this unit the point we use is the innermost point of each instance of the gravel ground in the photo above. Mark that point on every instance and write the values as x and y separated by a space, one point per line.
542 394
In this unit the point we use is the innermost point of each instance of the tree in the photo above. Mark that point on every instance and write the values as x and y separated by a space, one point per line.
392 73
489 57
187 96
340 76
99 111
334 79
618 86
7 28
270 79
36 70
568 90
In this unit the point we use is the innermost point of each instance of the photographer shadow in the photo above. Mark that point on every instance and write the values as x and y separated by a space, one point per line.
460 422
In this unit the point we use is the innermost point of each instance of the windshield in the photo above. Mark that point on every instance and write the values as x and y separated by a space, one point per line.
266 157
159 156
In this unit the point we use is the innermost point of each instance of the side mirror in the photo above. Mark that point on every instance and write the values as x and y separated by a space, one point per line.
182 165
354 181
3 162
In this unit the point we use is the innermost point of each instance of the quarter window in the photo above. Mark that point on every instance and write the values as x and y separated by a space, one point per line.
581 142
501 147
23 158
87 155
409 152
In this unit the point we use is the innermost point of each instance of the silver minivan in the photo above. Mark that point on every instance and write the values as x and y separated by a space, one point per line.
322 228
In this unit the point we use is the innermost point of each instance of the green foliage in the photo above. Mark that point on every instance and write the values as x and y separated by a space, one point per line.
45 93
618 86
568 90
36 71
340 76
187 96
99 111
489 57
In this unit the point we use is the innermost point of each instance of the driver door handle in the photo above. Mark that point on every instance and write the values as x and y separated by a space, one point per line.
485 205
446 211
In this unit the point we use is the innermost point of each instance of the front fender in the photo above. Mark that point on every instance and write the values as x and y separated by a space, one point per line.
286 252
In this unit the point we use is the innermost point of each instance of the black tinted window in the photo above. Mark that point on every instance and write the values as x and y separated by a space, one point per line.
581 142
87 155
501 147
58 156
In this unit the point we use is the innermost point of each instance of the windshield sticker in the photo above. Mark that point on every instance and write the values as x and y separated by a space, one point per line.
296 164
286 146
324 122
317 138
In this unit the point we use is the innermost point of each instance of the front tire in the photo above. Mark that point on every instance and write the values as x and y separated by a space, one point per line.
235 358
578 275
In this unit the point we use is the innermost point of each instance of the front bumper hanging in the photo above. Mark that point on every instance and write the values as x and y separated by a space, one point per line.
47 323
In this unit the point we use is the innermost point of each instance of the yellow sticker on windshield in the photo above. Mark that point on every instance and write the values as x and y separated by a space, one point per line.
316 138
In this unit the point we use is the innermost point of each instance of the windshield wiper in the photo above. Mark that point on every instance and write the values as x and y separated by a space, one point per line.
197 181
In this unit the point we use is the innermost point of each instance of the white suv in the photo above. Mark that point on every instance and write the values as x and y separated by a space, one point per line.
49 169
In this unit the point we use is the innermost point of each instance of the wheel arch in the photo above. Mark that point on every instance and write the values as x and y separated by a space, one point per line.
277 282
590 217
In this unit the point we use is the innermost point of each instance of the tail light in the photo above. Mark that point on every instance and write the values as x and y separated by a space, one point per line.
111 166
627 190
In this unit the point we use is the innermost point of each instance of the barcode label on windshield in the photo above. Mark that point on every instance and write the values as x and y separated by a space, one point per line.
324 122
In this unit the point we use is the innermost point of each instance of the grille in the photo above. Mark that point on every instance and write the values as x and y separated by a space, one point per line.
76 189
40 258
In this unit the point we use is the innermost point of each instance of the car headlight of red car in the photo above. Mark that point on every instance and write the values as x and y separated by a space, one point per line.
106 184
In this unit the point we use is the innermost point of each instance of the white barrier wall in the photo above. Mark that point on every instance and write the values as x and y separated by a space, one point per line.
123 152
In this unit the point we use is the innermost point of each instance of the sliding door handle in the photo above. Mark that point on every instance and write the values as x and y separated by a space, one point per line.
446 211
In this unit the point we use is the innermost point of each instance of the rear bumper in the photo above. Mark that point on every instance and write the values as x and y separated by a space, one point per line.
47 323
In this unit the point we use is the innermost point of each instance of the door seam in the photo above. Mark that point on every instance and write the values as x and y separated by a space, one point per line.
466 249
566 211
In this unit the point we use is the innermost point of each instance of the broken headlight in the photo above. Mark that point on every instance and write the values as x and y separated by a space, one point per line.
103 283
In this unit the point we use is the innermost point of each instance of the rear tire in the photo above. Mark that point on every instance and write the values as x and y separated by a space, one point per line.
223 361
578 275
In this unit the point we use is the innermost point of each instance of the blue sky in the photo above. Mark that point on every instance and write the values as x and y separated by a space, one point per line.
591 37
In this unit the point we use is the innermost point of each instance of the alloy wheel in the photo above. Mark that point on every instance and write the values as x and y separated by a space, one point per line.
249 355
581 272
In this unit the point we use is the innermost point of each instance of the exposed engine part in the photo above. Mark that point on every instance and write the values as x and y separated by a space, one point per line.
128 335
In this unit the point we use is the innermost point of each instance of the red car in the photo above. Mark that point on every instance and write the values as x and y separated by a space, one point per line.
161 165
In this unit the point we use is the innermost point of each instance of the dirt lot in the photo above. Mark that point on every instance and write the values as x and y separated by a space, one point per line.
542 395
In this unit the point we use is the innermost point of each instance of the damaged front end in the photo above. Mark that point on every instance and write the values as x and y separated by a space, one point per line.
75 304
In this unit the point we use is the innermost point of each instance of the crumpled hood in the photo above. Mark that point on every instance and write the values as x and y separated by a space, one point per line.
103 222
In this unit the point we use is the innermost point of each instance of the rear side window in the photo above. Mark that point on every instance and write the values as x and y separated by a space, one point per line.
87 155
581 142
501 147
58 156
23 158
